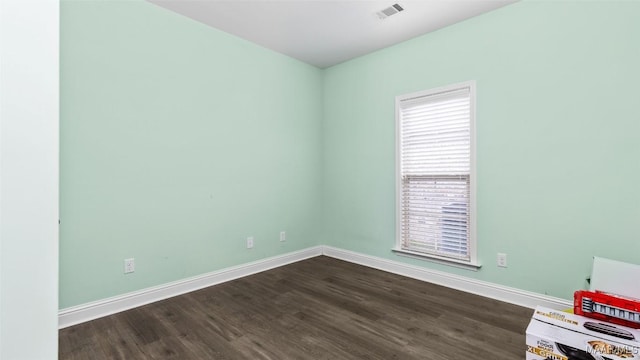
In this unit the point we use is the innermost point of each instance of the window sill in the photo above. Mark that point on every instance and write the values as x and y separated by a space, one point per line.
438 260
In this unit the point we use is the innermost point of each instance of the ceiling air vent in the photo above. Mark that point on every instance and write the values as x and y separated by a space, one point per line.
391 10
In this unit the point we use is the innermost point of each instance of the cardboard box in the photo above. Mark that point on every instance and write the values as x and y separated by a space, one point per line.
557 335
615 277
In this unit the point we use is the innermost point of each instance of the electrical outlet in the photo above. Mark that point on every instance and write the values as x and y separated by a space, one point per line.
129 265
283 236
250 242
502 260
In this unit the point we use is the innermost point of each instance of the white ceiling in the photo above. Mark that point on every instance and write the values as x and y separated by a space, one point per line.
327 32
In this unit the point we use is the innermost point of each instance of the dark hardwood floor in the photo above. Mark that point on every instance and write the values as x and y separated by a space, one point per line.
321 308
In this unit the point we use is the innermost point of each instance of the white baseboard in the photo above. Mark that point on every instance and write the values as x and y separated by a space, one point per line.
97 309
483 288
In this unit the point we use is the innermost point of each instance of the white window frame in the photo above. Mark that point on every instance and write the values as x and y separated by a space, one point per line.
472 262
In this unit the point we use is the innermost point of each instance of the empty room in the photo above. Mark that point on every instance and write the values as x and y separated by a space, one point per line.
309 179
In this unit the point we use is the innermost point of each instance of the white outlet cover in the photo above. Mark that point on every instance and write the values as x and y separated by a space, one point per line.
283 236
250 242
502 260
129 265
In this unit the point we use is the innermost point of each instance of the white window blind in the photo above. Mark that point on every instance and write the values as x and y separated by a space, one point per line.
435 154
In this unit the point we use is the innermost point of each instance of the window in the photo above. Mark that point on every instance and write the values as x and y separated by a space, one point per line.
435 174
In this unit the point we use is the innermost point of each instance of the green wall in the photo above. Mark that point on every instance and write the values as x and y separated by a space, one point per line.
558 139
177 142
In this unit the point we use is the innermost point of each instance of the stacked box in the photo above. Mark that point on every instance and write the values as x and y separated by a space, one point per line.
607 307
556 335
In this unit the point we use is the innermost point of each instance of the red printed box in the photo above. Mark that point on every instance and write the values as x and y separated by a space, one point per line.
607 307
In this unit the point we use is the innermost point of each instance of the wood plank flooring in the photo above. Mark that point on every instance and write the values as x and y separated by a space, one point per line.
321 308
